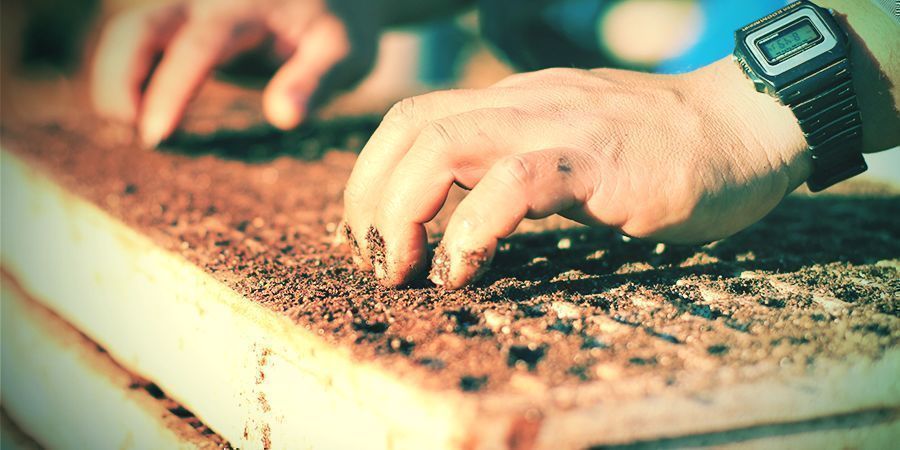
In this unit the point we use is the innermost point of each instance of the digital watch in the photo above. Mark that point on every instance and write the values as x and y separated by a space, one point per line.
799 55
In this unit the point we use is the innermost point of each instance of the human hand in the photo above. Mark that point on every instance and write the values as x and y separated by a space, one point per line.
328 44
681 159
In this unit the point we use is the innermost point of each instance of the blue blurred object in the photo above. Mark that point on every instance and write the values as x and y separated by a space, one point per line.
535 34
721 18
443 41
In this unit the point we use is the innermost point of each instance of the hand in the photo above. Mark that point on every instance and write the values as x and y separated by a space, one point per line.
330 43
682 159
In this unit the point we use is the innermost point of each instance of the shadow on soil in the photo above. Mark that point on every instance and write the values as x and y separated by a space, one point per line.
263 143
801 232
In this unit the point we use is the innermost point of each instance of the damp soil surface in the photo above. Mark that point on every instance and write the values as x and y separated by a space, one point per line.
257 209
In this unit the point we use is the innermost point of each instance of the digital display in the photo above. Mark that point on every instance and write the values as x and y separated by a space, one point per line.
784 41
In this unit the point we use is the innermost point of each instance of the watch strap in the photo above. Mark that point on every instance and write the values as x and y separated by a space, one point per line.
830 121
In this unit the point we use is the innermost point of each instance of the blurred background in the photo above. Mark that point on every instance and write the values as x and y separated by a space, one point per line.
47 44
46 41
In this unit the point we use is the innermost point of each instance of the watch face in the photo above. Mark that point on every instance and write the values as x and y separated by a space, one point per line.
781 44
790 41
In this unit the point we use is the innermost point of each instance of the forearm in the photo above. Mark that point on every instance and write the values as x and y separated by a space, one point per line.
399 12
876 69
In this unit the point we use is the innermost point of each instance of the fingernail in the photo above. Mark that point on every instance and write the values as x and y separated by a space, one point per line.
376 251
340 235
354 246
440 266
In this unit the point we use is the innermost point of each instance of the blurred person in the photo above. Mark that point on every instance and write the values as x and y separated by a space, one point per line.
690 154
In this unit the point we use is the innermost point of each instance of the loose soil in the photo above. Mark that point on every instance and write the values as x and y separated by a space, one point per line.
258 209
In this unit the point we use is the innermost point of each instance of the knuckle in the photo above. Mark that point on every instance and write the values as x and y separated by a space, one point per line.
244 29
607 146
579 91
514 79
335 31
403 111
550 72
518 170
559 73
516 116
543 77
668 96
438 134
125 25
603 73
472 216
193 40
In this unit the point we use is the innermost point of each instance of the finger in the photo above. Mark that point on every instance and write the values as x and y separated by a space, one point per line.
392 140
194 51
321 47
454 149
533 185
340 237
126 51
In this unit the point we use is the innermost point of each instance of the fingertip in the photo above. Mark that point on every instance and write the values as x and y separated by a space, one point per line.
114 106
285 110
111 96
404 261
440 266
391 282
341 234
322 46
355 252
377 252
471 265
153 129
359 249
124 115
454 269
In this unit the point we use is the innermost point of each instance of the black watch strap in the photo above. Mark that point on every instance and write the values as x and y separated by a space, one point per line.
830 121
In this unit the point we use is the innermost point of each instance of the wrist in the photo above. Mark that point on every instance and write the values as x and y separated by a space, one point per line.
875 69
758 122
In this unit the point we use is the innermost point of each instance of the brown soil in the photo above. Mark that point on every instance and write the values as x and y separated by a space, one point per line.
817 278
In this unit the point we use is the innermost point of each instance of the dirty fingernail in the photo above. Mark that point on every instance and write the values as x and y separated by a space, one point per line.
376 251
342 235
354 245
440 266
476 262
